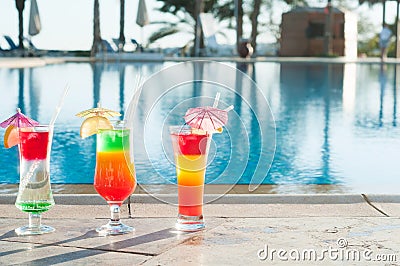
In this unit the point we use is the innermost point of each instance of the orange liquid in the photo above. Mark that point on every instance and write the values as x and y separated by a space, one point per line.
190 171
114 179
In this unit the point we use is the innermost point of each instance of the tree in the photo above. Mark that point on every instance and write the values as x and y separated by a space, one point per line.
239 23
97 45
20 4
121 25
254 23
185 11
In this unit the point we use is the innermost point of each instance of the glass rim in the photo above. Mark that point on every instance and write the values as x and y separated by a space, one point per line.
36 126
185 130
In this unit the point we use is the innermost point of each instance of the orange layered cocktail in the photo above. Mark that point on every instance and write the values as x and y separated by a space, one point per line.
114 179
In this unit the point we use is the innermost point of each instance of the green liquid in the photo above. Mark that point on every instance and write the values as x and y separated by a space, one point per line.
112 140
34 207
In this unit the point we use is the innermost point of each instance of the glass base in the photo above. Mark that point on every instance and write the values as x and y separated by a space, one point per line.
190 223
26 230
112 228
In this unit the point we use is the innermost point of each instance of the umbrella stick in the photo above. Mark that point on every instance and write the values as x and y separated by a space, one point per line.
230 107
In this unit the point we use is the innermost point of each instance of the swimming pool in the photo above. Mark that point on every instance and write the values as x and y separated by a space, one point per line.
335 123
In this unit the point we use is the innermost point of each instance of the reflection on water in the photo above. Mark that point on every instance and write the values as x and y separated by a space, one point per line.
336 123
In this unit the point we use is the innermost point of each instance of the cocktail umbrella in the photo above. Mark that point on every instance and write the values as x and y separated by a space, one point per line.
142 18
98 111
206 118
19 120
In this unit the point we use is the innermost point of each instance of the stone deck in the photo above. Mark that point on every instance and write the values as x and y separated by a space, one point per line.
240 230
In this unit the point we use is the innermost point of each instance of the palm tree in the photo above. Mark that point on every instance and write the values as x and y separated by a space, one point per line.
254 23
121 39
187 13
198 33
239 23
20 4
97 45
373 2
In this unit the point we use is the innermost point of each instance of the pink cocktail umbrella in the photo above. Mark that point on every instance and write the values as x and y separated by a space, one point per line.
19 120
207 118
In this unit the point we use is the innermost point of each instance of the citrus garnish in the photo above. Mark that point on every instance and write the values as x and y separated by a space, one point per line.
91 125
203 132
198 131
11 137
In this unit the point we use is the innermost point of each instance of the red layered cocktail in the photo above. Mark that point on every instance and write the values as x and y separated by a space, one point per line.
190 152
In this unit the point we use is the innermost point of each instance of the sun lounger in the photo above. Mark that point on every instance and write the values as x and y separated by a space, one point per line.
10 42
108 47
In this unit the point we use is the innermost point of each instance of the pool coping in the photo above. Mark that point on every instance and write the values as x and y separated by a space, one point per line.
94 199
217 189
22 62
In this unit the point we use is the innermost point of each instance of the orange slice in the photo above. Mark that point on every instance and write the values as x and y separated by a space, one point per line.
203 132
91 125
11 137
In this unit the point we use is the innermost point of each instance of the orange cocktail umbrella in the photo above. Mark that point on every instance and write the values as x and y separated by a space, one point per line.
98 111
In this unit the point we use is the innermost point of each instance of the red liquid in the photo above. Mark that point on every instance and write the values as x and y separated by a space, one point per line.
114 179
191 144
33 145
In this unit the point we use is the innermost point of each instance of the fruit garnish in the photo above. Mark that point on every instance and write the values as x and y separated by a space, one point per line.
203 132
93 124
11 137
198 131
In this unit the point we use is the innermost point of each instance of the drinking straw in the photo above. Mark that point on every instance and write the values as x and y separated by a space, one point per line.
216 100
58 108
25 179
135 99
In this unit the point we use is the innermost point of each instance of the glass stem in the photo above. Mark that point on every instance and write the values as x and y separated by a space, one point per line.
35 220
115 215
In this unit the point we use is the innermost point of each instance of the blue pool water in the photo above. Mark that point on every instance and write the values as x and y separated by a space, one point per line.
335 123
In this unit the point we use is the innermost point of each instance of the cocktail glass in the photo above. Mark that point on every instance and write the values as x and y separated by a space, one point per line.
34 194
114 176
190 153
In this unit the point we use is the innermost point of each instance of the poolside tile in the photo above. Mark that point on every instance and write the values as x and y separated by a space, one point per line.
391 209
36 254
152 236
388 204
290 210
238 241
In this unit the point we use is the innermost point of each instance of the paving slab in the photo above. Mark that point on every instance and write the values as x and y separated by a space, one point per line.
15 253
290 210
152 236
163 210
238 226
390 209
388 204
250 241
